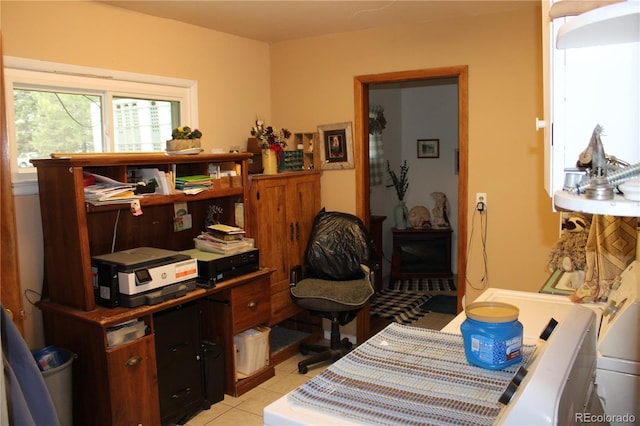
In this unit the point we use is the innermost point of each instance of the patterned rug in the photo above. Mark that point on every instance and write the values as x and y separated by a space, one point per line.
399 306
424 285
402 299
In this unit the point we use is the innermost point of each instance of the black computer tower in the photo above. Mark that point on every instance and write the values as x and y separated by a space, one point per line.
213 369
179 365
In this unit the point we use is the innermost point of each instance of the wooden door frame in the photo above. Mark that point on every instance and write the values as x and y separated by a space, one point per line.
10 294
361 149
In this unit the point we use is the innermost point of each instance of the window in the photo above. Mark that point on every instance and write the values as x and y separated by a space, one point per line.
63 108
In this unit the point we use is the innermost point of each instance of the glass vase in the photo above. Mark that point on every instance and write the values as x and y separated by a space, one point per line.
400 215
269 162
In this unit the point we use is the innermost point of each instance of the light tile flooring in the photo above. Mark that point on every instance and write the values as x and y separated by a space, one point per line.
247 409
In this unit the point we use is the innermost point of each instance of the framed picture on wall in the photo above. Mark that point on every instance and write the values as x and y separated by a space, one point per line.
336 146
428 148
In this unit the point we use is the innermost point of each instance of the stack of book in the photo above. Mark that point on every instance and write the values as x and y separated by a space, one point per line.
185 183
223 239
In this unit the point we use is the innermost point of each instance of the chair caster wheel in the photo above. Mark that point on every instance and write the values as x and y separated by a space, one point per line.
346 343
302 369
304 349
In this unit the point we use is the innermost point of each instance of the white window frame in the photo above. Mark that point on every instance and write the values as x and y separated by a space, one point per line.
22 72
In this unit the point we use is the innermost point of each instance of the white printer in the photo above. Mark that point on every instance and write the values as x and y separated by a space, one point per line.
142 276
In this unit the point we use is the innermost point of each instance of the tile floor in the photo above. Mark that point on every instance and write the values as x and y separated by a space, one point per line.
247 409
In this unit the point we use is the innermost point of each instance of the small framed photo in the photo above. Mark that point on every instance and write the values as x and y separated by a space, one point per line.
428 148
336 146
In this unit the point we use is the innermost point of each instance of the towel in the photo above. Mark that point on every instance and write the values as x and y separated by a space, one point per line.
28 399
611 247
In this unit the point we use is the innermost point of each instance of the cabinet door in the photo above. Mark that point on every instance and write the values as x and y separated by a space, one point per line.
303 203
282 212
132 373
269 222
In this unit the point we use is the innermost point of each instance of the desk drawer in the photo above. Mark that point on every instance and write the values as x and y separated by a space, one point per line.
250 305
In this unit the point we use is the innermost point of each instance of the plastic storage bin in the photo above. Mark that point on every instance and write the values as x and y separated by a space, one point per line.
252 350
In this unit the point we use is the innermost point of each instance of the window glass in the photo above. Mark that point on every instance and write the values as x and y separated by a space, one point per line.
58 108
143 124
48 121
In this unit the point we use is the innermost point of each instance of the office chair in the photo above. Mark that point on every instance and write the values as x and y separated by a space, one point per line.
337 278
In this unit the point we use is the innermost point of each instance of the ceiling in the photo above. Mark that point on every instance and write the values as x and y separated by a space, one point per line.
274 21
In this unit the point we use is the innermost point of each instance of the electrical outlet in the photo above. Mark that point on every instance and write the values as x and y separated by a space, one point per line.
481 201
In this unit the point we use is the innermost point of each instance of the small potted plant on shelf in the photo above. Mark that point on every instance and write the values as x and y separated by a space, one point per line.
184 138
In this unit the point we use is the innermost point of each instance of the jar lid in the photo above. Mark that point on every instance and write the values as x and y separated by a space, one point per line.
492 312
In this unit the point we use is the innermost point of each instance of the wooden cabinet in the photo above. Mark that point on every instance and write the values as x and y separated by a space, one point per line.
282 208
119 385
421 253
130 372
232 311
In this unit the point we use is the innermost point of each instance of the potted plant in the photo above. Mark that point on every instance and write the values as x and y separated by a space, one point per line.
184 138
272 142
401 185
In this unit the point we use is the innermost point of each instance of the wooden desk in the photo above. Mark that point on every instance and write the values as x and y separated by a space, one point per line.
421 253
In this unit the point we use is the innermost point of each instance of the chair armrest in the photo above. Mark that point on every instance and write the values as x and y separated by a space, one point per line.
295 275
369 273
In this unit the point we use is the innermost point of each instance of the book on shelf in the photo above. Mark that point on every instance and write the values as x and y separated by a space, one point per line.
193 181
220 237
238 246
225 229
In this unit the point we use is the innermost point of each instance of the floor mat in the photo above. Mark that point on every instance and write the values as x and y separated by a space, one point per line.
424 285
399 306
441 304
281 337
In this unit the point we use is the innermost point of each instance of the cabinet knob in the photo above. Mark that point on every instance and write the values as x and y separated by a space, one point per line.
252 305
291 228
133 361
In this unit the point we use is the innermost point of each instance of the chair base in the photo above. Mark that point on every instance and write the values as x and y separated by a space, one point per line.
333 352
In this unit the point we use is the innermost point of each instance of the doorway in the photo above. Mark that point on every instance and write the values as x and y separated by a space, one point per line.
361 148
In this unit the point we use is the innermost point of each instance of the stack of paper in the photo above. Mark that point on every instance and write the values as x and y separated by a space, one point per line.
109 191
223 239
161 180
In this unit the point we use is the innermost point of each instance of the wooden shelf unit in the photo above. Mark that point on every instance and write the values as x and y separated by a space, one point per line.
119 385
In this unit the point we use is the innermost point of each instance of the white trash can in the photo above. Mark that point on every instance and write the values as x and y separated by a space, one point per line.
59 382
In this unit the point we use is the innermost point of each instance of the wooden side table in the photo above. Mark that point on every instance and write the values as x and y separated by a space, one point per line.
421 253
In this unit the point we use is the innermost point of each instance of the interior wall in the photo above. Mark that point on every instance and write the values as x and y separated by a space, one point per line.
503 53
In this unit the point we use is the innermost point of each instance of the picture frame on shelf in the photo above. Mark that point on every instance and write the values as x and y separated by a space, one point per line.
336 146
428 148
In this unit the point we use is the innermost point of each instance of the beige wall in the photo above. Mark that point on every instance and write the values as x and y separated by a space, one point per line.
503 53
301 84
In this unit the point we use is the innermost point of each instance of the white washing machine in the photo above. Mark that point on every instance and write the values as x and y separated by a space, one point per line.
618 361
618 343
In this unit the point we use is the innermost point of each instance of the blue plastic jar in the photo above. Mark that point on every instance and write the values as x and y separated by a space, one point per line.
492 335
